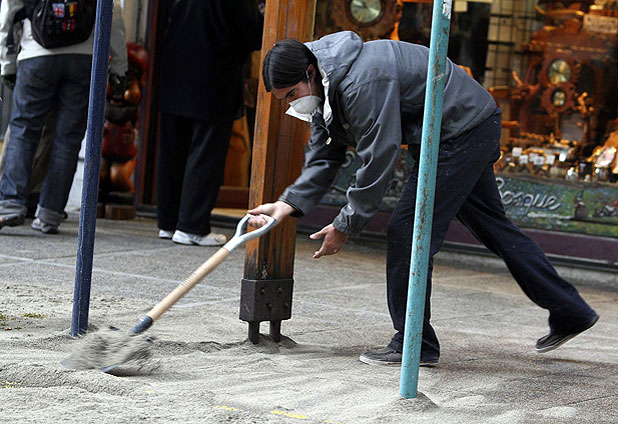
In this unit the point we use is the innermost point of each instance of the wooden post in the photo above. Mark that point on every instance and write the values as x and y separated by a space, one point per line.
277 151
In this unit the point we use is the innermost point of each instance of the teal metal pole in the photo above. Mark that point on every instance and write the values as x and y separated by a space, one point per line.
423 218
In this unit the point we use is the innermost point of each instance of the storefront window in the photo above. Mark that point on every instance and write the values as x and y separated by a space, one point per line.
560 116
552 67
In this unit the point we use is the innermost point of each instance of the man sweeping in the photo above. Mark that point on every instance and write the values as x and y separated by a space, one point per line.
370 96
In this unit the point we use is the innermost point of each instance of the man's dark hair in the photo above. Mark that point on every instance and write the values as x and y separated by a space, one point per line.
285 64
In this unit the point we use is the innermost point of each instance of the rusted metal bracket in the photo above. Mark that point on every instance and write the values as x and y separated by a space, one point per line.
265 300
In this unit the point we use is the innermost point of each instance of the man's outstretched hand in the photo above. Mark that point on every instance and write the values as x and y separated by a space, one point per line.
333 241
333 238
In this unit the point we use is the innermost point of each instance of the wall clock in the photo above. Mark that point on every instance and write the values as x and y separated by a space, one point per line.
371 19
559 71
365 12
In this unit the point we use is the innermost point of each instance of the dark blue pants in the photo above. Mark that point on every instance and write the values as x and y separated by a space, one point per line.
190 166
466 188
62 83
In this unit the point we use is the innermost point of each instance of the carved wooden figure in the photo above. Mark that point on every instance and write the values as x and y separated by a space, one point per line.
119 150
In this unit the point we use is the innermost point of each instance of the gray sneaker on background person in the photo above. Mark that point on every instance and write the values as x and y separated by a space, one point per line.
44 227
12 213
46 220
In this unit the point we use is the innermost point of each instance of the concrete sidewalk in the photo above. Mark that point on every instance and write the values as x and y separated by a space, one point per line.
207 372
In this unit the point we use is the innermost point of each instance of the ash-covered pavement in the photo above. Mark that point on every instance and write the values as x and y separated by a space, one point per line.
205 370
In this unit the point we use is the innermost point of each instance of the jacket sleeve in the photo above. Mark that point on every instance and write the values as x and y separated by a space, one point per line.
119 63
322 161
8 9
373 113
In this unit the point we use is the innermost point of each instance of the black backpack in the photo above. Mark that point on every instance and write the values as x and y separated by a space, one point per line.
57 23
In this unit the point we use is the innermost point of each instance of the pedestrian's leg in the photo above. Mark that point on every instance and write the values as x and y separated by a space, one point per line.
203 175
32 100
176 133
483 213
399 248
460 163
69 129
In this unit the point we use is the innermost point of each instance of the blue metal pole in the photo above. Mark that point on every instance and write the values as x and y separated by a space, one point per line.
92 164
423 218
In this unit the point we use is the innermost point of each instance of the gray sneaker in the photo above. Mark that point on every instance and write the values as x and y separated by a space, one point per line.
11 220
43 227
388 356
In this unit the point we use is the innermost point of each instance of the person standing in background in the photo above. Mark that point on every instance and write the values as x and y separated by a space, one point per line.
205 45
46 79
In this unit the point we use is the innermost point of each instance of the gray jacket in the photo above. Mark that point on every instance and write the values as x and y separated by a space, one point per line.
376 91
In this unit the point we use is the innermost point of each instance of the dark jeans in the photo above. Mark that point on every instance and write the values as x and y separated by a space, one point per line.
466 188
190 166
44 83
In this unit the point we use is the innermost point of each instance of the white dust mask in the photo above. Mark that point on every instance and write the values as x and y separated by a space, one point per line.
306 105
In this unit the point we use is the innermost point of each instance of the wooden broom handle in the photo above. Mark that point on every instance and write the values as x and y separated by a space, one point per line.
188 284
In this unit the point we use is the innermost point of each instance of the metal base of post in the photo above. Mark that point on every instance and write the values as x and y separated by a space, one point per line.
274 331
265 300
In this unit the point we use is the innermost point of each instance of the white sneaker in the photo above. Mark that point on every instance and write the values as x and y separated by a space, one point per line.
164 234
44 227
211 239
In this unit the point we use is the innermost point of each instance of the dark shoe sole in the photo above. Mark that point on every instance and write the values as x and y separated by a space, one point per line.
46 231
564 338
369 361
11 220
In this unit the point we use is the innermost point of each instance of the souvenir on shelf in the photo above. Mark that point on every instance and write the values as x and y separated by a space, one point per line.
564 108
119 150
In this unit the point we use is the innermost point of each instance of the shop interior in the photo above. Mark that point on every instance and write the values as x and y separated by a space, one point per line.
551 66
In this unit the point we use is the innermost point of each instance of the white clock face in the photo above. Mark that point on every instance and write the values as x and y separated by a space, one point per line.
365 11
558 98
559 71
